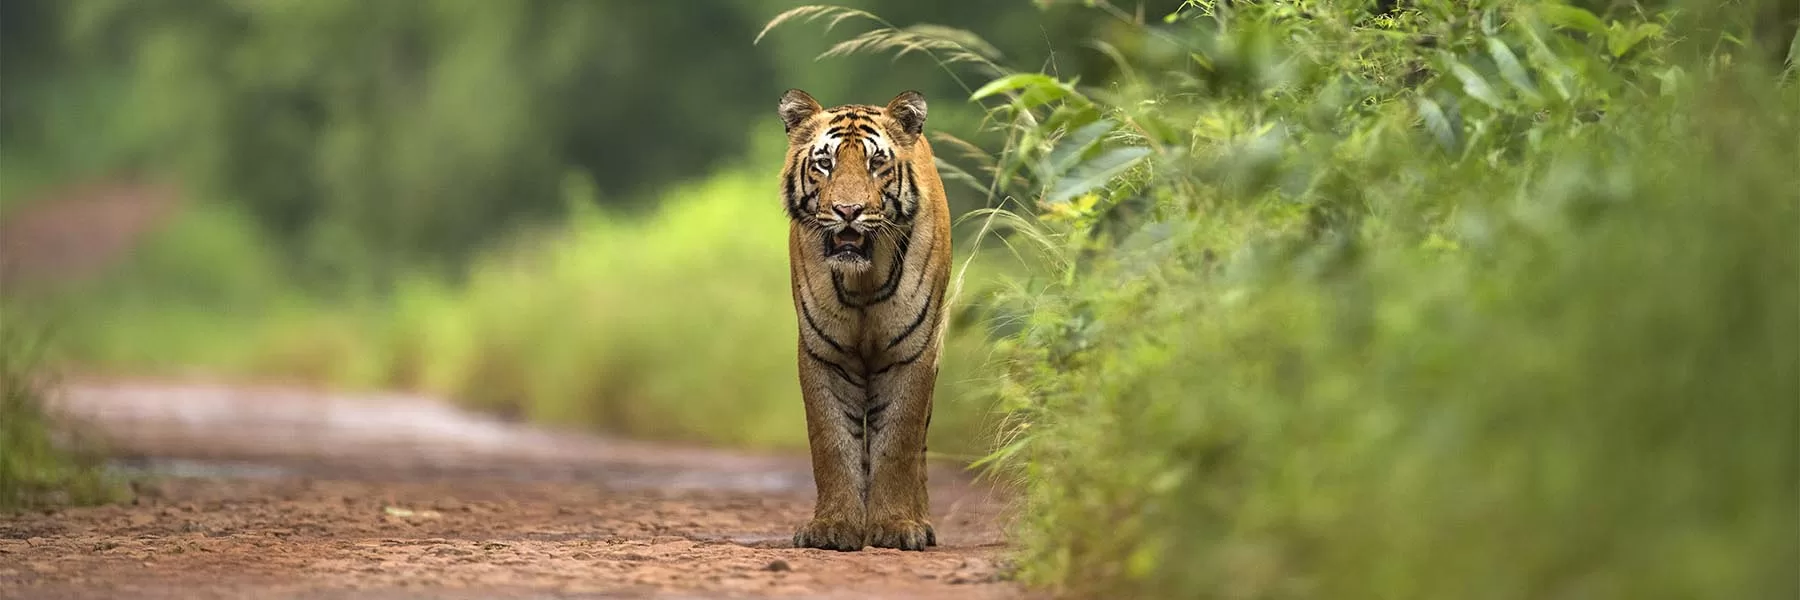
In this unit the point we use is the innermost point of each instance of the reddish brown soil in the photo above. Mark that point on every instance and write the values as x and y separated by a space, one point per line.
77 231
271 493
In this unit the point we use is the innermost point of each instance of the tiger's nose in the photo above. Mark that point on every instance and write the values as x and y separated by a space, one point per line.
848 212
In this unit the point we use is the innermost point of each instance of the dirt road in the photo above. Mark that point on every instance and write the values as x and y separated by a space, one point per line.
273 493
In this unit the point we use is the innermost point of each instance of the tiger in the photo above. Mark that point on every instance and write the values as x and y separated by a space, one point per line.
869 259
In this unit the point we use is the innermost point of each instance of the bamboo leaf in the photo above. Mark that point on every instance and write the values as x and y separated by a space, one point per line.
1513 72
1039 87
1573 17
1073 146
1096 172
1438 124
1475 86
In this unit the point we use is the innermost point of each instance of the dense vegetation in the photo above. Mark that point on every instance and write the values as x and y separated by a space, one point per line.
1492 299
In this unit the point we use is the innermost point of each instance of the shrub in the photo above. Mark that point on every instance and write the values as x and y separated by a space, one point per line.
36 467
1448 300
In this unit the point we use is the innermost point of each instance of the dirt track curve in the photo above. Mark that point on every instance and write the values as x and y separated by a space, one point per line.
278 493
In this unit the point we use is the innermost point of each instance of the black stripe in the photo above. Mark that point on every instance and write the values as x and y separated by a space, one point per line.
924 270
930 336
849 407
805 303
792 200
837 287
873 415
890 205
865 128
805 311
892 199
912 189
806 299
907 361
835 368
901 184
852 414
923 310
790 189
887 288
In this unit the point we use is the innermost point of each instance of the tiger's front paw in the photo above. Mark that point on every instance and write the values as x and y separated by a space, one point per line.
830 534
902 534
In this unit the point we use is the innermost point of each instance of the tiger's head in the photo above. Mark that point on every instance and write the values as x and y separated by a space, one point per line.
849 177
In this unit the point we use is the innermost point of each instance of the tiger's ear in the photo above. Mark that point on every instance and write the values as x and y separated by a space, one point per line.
908 110
795 107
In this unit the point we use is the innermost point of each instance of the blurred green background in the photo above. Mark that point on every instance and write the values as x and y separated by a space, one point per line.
557 210
1300 299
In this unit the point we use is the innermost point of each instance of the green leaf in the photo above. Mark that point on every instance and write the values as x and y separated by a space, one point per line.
952 173
1004 454
1513 72
1073 146
1549 64
1438 124
1572 17
1096 172
1034 85
1620 41
1475 86
1793 53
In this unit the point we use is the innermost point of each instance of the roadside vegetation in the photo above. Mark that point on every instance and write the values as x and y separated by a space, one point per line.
40 465
1442 300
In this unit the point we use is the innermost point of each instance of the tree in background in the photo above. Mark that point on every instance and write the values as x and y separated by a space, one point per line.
369 138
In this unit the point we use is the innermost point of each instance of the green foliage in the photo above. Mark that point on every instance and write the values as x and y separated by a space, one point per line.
36 469
371 140
400 132
1490 299
203 290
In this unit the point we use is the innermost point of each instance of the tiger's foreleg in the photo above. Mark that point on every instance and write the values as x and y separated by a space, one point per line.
835 434
899 415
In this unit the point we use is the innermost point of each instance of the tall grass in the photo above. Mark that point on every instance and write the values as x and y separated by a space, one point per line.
40 465
1459 300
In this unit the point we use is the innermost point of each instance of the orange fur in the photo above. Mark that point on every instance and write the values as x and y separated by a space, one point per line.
869 253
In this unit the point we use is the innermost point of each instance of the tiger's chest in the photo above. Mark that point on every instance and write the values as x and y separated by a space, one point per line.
882 310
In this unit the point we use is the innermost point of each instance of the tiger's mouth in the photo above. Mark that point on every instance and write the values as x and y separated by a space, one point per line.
847 244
